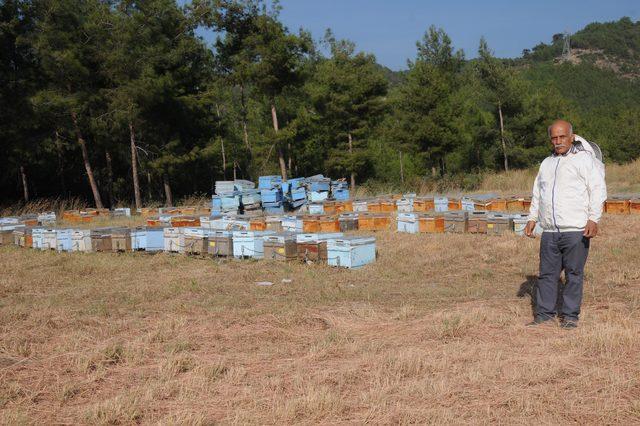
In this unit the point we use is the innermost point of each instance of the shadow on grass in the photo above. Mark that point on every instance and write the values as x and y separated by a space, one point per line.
529 287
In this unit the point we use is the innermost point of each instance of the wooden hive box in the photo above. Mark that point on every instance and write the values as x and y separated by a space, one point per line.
431 224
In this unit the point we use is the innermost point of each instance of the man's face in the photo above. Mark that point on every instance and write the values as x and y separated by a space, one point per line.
561 138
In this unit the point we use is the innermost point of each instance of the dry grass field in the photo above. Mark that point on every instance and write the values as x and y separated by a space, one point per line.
433 332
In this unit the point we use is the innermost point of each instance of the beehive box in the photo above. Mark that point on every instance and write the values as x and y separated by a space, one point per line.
408 222
274 223
360 206
6 237
148 212
257 224
497 205
477 222
467 204
351 252
515 204
67 214
195 241
453 204
311 223
388 206
519 222
318 196
499 224
292 223
280 247
50 239
348 222
19 236
456 222
404 205
329 224
634 206
249 243
101 240
431 224
344 206
329 207
316 208
173 239
312 247
617 206
81 240
63 240
29 220
37 236
374 222
220 243
48 218
440 204
184 221
423 204
147 239
374 207
121 239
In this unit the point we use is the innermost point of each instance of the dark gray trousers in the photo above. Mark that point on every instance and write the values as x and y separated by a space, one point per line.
558 251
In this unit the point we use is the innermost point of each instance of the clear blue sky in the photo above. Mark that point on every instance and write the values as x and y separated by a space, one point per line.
390 29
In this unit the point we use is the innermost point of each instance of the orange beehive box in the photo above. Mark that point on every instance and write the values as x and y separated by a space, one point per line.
329 224
68 213
382 222
329 206
374 207
526 204
366 222
515 204
423 204
617 206
186 210
30 222
344 206
257 225
311 224
182 221
81 218
396 197
497 205
148 212
634 206
454 204
154 222
431 224
388 206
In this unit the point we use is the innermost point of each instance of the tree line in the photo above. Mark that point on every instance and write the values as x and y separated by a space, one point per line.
123 101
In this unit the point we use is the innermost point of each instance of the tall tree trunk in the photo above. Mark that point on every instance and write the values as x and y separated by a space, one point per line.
283 165
224 157
149 197
434 172
353 174
234 170
134 167
289 159
504 144
87 163
25 186
112 202
401 168
167 190
60 154
243 107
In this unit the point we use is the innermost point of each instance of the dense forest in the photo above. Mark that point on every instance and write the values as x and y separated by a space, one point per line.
121 101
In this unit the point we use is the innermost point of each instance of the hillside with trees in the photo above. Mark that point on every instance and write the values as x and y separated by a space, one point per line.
123 102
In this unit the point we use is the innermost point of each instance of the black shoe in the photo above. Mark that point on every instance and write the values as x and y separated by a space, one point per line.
539 321
569 324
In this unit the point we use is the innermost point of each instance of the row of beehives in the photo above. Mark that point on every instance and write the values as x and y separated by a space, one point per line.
274 195
336 249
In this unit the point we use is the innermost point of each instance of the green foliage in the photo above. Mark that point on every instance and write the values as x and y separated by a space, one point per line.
137 70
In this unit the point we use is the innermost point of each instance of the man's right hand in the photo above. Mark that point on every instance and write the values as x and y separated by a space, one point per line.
528 230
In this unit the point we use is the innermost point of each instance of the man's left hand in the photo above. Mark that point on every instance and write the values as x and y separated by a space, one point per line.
591 230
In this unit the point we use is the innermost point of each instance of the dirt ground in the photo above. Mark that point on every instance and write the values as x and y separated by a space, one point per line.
433 332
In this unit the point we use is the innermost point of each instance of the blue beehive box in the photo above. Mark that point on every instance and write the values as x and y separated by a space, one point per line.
341 194
296 204
298 194
292 223
273 210
63 239
271 195
147 239
467 204
216 204
441 204
249 243
408 222
404 205
351 252
320 185
38 238
269 182
318 196
316 208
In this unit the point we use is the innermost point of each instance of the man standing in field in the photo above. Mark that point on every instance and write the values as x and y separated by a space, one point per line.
568 195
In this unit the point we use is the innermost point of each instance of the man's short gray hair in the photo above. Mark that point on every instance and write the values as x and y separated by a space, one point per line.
549 129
